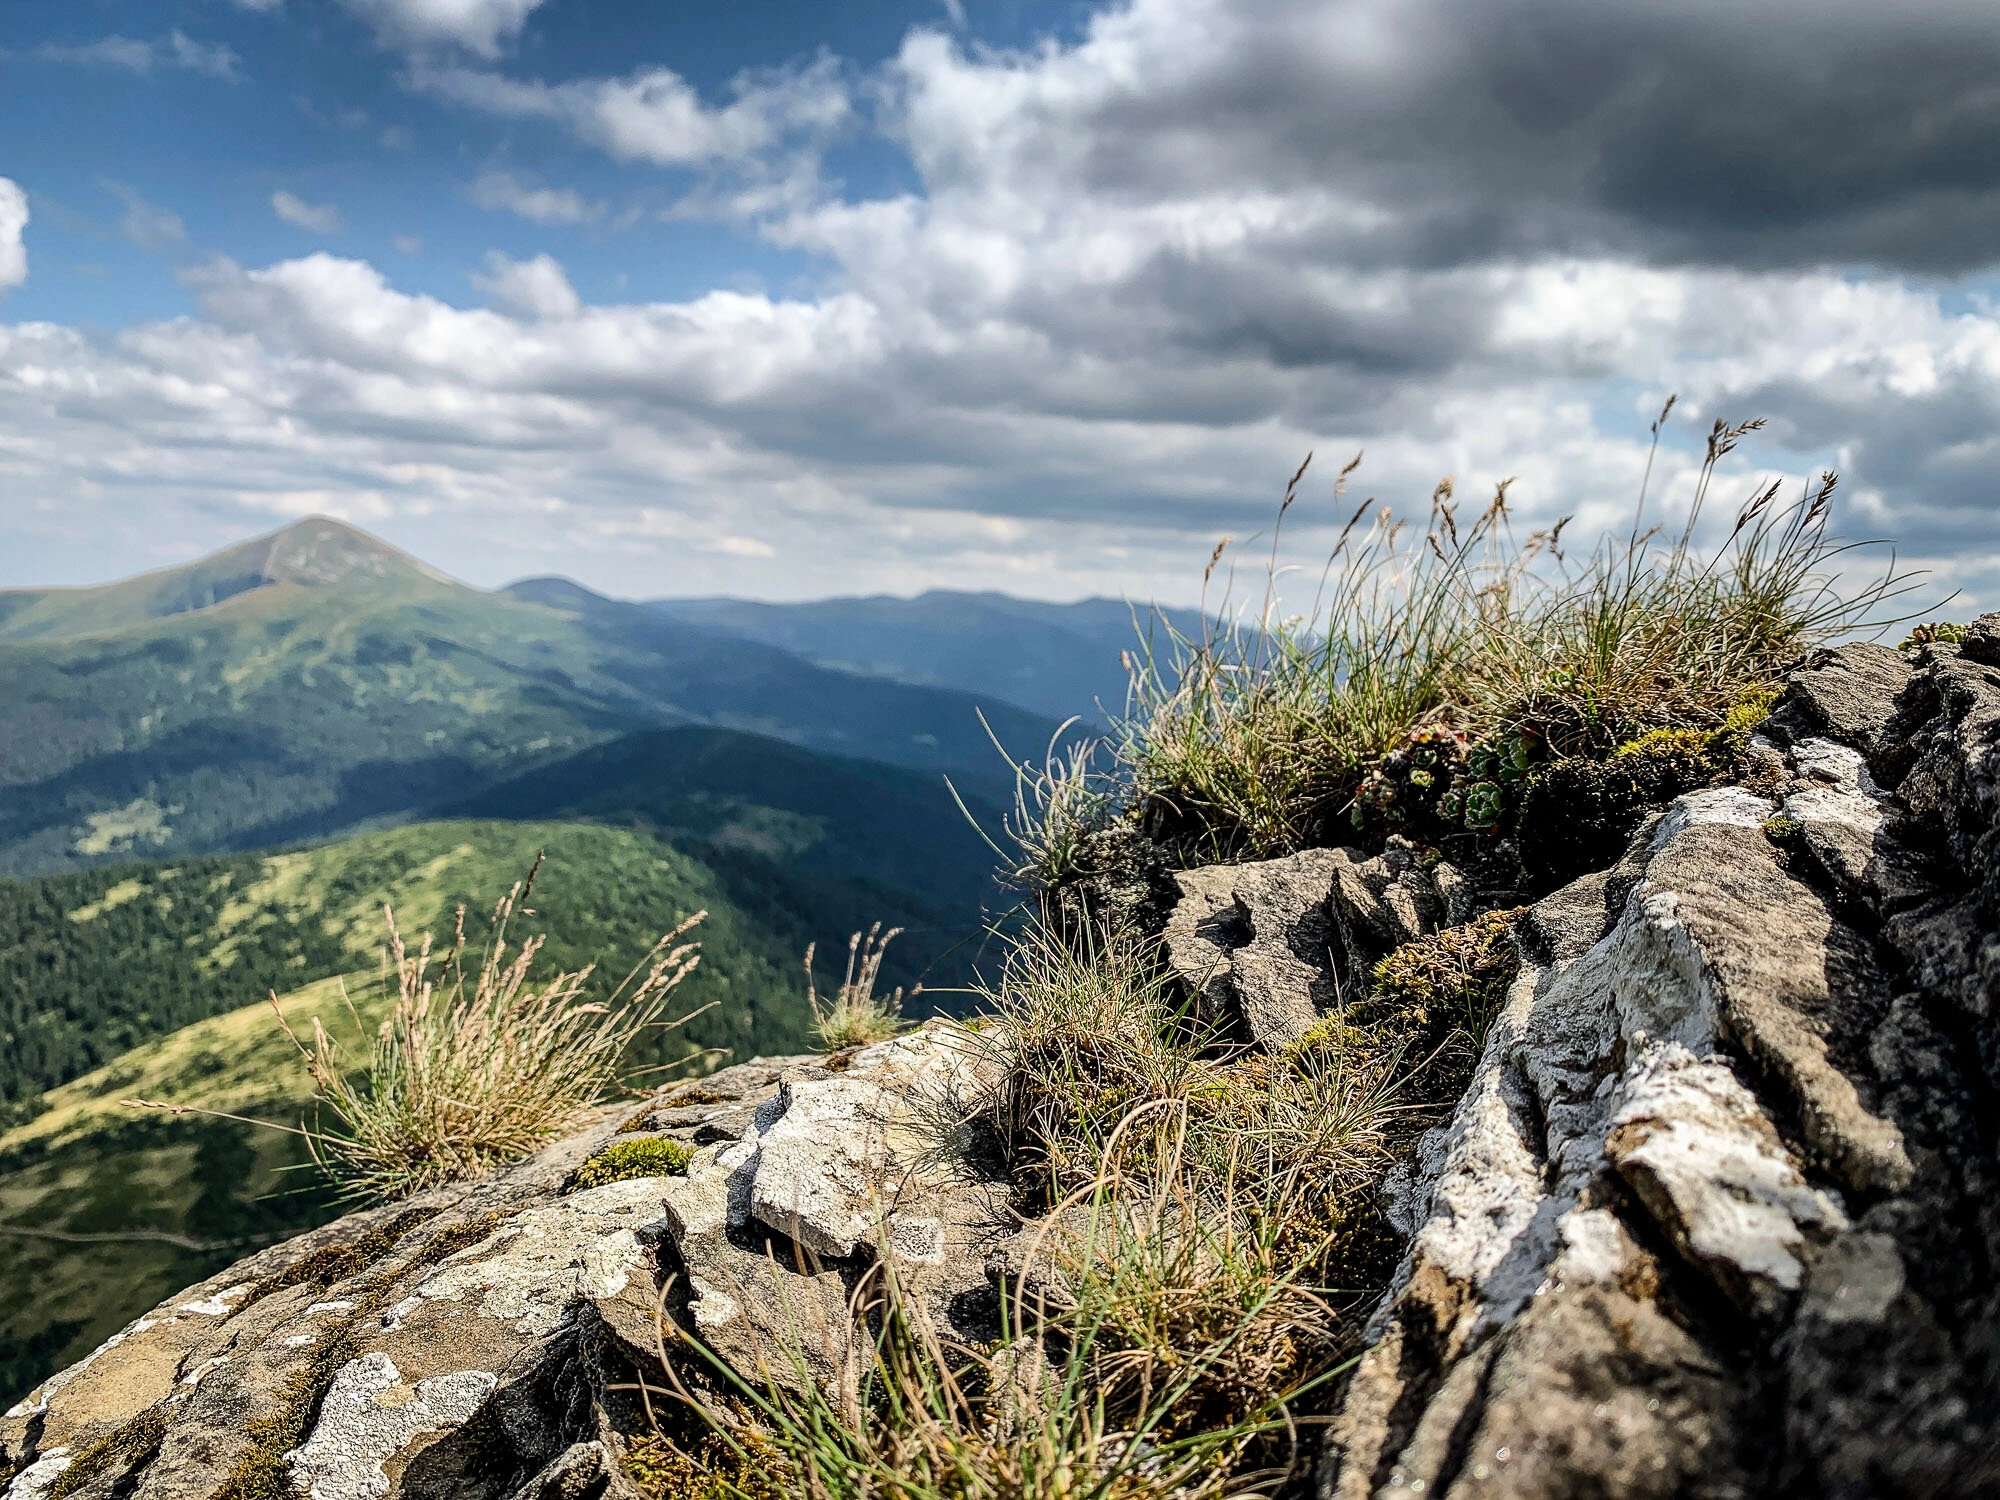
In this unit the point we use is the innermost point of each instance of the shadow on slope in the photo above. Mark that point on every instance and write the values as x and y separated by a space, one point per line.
750 794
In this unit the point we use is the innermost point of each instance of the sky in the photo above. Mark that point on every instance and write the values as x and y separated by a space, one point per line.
790 300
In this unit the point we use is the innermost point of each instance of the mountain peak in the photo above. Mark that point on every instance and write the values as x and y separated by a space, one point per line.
323 553
316 553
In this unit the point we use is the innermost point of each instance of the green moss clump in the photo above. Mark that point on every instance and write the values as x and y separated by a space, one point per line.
1780 828
1578 814
130 1447
685 1097
455 1237
654 1157
692 1094
261 1473
1453 980
1748 712
750 1468
1941 632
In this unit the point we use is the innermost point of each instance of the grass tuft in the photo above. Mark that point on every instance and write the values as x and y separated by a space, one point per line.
856 1015
477 1066
1440 661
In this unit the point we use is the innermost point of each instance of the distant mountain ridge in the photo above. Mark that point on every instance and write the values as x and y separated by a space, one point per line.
1056 659
317 552
317 681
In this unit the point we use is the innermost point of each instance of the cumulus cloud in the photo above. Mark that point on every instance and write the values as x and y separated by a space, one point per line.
13 221
535 288
174 51
319 218
481 27
541 205
1135 276
655 116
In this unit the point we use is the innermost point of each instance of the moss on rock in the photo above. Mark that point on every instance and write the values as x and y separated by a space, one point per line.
654 1156
1577 815
1455 979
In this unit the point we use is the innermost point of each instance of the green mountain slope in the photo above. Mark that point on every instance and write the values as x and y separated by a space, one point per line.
1056 659
104 1210
249 703
97 961
144 982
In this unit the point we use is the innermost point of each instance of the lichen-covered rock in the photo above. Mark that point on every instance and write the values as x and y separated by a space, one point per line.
1275 945
1707 1221
851 1155
463 1343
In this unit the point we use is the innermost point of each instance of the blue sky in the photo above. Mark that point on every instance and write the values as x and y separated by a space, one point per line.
796 299
307 102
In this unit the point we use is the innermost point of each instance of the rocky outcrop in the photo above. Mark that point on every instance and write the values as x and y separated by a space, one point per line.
1274 946
1717 1215
462 1343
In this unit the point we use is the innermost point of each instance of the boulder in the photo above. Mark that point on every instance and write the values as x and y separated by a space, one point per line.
1704 1222
457 1344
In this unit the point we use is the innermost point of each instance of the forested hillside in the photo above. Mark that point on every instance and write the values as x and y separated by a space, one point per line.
326 682
97 961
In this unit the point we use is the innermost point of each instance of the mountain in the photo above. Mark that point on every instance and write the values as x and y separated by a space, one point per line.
315 553
1055 659
317 681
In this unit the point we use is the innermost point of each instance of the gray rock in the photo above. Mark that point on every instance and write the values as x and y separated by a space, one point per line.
1849 693
1279 943
1982 641
1781 1100
857 1152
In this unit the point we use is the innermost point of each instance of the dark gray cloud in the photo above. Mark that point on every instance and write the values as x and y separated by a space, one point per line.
1760 132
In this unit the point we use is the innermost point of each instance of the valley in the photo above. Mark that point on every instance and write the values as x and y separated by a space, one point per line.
213 779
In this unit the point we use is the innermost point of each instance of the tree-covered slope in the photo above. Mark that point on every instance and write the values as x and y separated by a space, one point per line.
247 704
97 961
830 814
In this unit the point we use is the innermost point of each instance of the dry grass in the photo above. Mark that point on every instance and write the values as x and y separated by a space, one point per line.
1255 739
1055 1411
856 1015
476 1064
1165 1332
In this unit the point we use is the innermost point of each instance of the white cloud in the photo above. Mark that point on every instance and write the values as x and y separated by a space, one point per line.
542 205
479 26
1134 278
13 220
534 288
147 225
656 116
319 218
174 51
